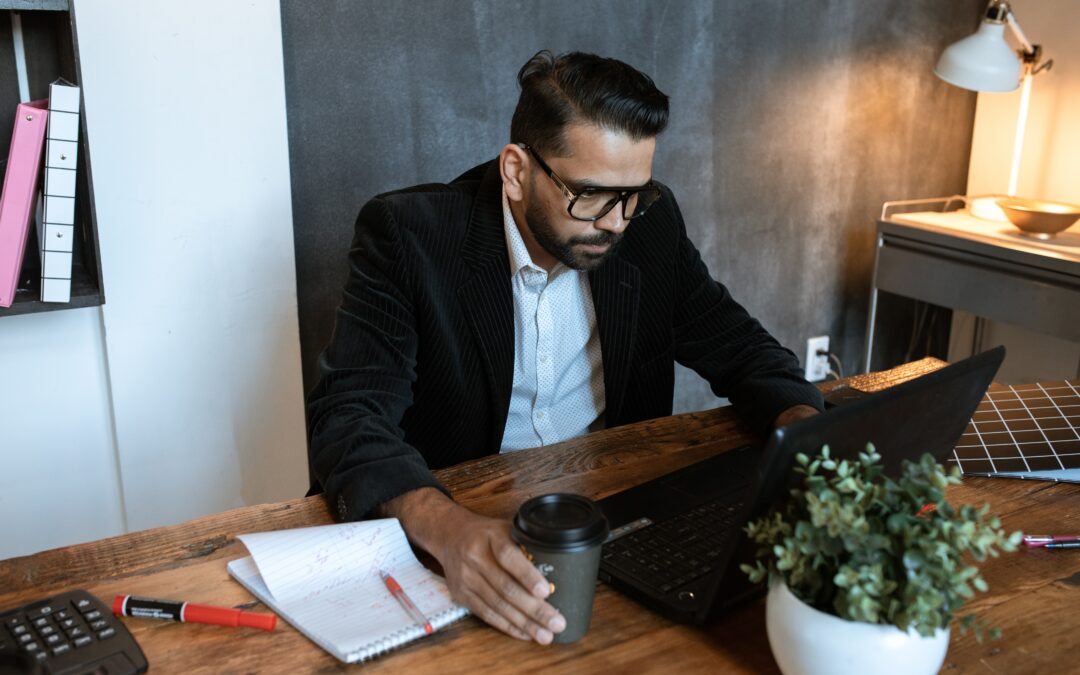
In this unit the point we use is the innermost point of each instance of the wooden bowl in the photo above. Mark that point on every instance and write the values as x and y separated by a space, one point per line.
1038 218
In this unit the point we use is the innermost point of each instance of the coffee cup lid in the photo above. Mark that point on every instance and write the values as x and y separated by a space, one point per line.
561 520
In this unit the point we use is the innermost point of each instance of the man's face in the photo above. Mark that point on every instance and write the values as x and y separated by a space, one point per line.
596 157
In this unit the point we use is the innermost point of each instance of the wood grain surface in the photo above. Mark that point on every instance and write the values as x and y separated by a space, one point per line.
1033 593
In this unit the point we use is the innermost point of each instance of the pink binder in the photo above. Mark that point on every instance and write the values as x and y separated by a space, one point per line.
20 185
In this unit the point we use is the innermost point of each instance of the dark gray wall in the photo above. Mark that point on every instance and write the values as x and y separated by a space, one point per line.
792 121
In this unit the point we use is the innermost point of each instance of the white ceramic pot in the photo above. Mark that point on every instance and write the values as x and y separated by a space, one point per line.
806 641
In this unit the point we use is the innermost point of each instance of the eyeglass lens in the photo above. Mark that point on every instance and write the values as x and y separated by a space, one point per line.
591 204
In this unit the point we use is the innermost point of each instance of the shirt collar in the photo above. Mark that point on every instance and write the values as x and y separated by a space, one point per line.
515 245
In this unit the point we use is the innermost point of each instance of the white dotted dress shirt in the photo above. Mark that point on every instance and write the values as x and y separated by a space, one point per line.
558 369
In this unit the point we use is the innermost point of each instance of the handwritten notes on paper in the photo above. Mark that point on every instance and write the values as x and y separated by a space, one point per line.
326 582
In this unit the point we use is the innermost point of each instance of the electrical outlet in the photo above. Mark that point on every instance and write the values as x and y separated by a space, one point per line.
817 358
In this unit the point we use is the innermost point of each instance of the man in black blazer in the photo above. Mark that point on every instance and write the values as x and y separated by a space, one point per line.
442 346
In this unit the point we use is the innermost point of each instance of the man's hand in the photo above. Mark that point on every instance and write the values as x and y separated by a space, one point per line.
485 570
794 414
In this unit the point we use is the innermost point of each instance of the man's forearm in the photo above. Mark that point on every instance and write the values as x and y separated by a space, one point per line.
423 514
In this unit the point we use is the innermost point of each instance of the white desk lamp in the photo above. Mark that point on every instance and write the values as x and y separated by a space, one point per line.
985 62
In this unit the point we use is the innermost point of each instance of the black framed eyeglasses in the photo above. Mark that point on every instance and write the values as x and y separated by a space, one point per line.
593 202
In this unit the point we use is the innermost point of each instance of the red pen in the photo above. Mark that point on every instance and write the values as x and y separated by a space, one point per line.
172 610
405 602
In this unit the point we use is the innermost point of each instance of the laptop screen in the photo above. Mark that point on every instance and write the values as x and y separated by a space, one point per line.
904 422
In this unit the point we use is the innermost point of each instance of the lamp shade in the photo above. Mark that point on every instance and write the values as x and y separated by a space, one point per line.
982 61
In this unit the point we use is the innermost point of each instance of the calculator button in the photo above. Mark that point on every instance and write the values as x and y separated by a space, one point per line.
83 641
13 621
75 632
68 623
90 616
62 614
82 602
31 647
46 630
25 637
41 621
42 611
19 629
60 649
99 624
107 633
53 639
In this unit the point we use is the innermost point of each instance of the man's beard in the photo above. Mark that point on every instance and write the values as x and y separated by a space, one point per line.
563 249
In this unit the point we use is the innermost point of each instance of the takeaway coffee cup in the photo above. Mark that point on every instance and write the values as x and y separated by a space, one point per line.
562 535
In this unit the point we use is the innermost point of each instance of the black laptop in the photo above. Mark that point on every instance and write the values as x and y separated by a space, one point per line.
677 541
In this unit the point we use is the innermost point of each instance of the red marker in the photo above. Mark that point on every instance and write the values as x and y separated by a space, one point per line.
406 603
172 610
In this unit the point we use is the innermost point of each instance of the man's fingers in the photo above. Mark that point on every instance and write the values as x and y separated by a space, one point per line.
513 560
513 593
483 610
488 573
482 581
497 590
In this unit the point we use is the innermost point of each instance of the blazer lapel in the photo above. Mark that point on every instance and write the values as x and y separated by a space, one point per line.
489 307
487 297
616 287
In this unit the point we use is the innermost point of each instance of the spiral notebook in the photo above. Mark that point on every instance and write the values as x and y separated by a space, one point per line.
326 582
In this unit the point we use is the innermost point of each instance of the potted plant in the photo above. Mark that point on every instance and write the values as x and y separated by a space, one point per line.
867 572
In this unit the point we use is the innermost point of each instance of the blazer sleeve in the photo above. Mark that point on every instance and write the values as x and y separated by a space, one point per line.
716 337
356 444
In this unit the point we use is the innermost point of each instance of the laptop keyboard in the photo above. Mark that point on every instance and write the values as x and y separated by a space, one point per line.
670 554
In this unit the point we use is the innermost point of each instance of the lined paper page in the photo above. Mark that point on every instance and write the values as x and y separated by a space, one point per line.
326 582
304 563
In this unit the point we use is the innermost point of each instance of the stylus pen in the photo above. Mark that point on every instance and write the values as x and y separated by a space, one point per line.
406 603
1044 539
1063 544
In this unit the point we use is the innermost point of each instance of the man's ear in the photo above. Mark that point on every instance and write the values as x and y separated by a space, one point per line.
513 164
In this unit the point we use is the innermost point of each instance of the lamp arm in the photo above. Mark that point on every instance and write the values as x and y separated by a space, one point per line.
1014 26
999 11
1032 54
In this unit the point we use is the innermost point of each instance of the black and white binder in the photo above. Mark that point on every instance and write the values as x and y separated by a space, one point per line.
56 229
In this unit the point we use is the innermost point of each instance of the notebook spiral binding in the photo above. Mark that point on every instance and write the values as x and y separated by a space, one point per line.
404 637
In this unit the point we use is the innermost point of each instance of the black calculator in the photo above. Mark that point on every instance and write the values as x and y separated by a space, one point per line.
73 633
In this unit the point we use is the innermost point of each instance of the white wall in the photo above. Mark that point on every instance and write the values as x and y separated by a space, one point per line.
195 358
1049 169
1050 162
58 481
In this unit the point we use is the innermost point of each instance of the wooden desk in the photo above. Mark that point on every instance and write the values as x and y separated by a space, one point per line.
1033 594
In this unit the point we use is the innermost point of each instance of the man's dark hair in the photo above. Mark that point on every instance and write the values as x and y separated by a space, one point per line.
580 87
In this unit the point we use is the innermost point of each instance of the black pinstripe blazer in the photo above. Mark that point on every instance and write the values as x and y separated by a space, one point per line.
419 370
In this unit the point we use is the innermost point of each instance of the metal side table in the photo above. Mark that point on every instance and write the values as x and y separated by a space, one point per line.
987 268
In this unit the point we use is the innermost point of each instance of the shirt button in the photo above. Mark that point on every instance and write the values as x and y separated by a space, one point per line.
539 414
543 358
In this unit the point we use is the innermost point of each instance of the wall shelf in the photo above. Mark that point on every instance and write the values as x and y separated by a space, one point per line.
51 47
35 5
